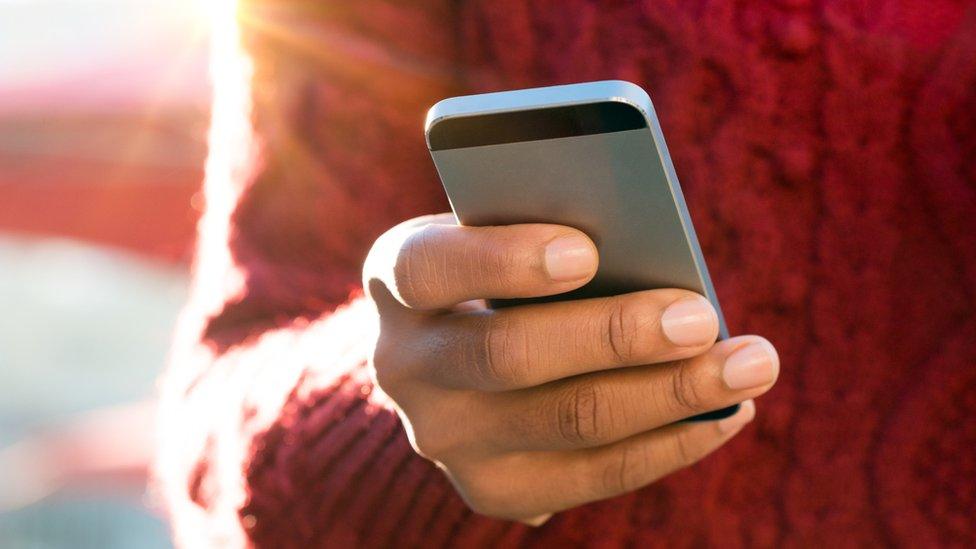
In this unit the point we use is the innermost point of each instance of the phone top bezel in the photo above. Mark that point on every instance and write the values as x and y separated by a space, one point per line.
553 122
539 100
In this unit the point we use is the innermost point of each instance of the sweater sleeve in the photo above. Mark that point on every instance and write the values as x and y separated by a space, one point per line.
270 431
286 443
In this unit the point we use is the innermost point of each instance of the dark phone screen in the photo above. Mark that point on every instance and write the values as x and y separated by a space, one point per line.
533 125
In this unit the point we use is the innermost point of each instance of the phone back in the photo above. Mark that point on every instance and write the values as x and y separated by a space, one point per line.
589 156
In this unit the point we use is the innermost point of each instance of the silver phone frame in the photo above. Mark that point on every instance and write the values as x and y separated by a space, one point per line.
579 94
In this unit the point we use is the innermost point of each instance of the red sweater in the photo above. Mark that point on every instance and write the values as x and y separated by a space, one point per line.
827 154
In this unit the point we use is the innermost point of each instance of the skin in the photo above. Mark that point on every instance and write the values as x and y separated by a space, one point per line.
538 408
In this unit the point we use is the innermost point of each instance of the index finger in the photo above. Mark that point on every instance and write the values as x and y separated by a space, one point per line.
431 264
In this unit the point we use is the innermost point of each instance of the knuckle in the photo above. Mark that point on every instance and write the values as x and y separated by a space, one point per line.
386 377
432 443
388 370
415 269
485 494
630 469
442 427
486 504
582 415
490 507
685 393
626 329
501 352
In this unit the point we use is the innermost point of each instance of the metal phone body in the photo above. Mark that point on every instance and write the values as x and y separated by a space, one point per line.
590 156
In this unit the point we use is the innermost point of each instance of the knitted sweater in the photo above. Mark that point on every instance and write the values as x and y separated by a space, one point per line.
826 150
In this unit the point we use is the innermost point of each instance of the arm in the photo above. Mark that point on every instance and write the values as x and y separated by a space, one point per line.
271 432
284 443
267 419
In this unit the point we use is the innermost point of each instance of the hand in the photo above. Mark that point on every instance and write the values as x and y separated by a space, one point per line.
537 408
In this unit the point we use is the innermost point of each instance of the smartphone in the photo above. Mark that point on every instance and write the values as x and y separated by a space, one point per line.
589 156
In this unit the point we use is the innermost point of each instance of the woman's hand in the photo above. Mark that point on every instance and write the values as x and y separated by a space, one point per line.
537 408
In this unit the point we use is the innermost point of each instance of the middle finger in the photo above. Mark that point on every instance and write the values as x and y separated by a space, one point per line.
602 408
530 345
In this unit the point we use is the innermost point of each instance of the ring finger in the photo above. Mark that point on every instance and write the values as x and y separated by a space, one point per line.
523 485
598 409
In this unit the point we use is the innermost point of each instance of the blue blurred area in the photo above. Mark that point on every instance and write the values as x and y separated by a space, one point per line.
82 326
92 325
85 327
103 523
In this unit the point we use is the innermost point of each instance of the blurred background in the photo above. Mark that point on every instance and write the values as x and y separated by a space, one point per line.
103 117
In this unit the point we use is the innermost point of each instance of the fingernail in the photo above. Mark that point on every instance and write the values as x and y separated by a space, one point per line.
754 365
746 413
690 322
570 258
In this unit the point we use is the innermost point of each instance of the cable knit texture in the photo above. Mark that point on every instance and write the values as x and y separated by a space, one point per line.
827 154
